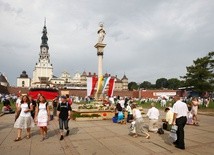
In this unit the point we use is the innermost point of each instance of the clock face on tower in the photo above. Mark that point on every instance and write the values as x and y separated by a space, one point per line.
43 49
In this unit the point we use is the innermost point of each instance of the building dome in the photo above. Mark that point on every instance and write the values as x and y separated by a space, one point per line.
23 75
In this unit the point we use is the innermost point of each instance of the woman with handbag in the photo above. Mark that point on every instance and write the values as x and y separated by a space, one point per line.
24 120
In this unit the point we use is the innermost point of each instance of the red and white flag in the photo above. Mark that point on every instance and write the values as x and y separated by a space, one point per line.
91 83
111 87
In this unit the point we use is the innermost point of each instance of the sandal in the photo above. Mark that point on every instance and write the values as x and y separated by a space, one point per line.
28 137
17 139
148 137
196 124
135 136
43 138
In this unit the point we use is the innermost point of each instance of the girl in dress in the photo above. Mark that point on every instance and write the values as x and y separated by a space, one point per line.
24 121
42 116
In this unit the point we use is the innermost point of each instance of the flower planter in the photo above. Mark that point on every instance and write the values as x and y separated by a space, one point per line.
88 118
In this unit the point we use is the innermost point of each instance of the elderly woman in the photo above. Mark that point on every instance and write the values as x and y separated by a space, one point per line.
140 130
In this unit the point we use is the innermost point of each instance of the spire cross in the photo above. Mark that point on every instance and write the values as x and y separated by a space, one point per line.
45 22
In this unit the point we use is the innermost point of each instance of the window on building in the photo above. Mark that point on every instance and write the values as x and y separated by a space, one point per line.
23 83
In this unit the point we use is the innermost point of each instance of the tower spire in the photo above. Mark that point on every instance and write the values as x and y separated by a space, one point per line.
44 37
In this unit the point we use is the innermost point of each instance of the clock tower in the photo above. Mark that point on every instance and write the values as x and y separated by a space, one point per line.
43 71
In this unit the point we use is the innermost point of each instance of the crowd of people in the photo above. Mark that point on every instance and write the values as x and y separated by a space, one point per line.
176 116
31 113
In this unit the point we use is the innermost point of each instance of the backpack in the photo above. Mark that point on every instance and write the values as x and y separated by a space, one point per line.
66 105
46 104
160 131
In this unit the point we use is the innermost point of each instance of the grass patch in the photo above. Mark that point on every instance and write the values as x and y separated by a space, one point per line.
147 105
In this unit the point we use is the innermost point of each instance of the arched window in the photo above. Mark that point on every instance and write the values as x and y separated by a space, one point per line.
23 83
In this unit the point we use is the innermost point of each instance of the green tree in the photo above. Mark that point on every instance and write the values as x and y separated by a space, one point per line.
145 85
161 83
201 74
133 86
173 83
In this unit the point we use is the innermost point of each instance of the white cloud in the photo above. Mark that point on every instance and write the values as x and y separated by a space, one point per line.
146 40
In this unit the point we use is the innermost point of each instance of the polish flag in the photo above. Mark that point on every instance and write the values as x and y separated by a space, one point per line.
111 87
91 83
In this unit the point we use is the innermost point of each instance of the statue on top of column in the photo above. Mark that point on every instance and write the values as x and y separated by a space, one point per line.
101 33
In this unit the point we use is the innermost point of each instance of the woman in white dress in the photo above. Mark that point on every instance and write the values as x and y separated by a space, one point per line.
194 110
24 121
42 116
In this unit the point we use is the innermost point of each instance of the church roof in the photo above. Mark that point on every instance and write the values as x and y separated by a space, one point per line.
3 79
84 73
124 77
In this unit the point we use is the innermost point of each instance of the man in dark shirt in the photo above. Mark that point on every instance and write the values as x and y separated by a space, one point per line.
63 113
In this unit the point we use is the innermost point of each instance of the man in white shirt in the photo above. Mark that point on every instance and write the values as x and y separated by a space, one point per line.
122 101
180 111
153 114
18 102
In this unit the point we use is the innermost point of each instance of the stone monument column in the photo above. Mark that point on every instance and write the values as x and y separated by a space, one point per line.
100 48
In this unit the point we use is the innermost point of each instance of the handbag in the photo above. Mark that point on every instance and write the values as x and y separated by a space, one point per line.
173 134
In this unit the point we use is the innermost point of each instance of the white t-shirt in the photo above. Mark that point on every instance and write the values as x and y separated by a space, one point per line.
122 103
137 113
18 102
153 113
180 108
129 109
24 106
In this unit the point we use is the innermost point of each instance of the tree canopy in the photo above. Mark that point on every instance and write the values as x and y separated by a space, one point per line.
201 74
133 86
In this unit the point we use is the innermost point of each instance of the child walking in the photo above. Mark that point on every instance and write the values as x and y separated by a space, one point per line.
63 114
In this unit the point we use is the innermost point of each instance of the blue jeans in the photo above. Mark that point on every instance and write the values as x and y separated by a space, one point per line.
61 122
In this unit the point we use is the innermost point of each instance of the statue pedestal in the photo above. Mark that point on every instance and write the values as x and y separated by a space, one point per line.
100 47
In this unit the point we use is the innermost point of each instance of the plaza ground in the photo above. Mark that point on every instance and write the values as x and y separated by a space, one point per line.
104 138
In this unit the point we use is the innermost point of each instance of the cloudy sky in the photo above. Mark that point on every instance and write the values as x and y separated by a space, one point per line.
146 39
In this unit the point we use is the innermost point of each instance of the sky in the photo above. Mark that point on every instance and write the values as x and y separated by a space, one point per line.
146 39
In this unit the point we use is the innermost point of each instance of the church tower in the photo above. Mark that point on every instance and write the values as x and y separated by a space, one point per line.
43 71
